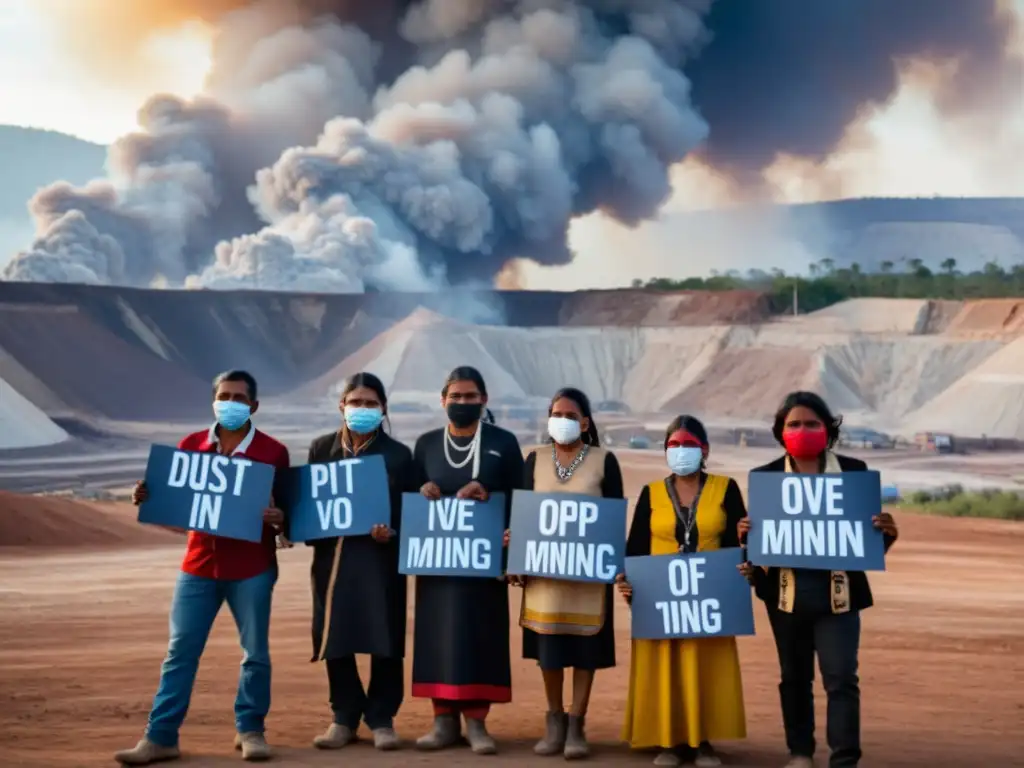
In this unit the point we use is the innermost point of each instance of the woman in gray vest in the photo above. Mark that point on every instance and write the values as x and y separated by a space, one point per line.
569 624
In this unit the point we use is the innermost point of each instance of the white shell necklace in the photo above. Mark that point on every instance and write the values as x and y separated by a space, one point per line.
472 450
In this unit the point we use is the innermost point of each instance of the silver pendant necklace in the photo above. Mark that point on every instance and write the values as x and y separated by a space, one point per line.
564 473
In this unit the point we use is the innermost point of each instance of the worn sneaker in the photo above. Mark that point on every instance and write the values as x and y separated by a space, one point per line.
707 757
145 753
444 734
335 737
480 741
254 746
576 747
553 742
799 761
667 758
385 739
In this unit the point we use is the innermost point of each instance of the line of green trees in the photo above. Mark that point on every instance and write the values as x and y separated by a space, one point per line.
828 284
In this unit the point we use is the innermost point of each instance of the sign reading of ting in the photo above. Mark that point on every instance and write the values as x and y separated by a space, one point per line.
220 495
451 537
816 521
701 594
567 536
337 498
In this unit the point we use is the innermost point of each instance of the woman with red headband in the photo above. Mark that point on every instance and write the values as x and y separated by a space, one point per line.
684 694
813 610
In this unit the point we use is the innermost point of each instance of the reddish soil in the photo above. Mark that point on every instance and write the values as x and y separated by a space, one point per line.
988 316
83 635
639 308
54 522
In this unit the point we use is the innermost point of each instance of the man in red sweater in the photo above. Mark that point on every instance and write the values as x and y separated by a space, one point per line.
216 570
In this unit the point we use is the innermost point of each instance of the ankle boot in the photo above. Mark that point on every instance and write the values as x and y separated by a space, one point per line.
554 735
480 740
444 734
576 746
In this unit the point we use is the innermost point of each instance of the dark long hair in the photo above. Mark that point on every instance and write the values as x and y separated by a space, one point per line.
370 381
591 436
812 402
691 424
465 373
469 373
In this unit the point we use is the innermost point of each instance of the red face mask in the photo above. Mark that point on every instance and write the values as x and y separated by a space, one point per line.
805 443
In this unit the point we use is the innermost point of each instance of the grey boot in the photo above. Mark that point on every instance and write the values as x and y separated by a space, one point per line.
444 734
480 740
576 746
554 735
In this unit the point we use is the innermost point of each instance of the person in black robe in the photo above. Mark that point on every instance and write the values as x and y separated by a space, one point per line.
815 612
461 638
359 597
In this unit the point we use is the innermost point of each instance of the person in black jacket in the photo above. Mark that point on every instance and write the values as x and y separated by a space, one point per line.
359 597
813 610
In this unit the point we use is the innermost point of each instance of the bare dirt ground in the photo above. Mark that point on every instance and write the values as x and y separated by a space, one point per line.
83 634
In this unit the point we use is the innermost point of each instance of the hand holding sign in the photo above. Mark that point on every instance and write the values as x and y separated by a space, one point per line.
473 490
140 493
625 589
431 491
886 524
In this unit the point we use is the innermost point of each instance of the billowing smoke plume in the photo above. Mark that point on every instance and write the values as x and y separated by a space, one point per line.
342 145
790 75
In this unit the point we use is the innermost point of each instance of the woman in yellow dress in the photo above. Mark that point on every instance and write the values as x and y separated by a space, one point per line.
684 694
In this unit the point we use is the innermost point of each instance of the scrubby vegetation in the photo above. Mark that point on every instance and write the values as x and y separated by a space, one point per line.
828 284
954 501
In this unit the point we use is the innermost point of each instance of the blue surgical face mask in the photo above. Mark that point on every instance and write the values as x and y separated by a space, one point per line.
231 415
362 421
684 460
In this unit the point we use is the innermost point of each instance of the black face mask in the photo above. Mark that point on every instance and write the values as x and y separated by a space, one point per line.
462 415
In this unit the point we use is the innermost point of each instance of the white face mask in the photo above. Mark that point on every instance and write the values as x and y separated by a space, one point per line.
564 431
684 460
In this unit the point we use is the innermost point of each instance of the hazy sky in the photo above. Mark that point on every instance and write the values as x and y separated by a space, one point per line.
902 148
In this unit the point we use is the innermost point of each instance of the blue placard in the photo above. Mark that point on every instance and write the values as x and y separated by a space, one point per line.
700 594
451 537
567 536
816 521
347 497
220 495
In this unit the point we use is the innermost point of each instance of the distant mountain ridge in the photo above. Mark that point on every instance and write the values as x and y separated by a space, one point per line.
31 158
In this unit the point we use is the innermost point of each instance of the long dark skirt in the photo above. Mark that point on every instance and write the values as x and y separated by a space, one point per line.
575 651
461 643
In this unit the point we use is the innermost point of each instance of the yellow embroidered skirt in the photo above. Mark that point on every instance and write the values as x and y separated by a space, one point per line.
683 692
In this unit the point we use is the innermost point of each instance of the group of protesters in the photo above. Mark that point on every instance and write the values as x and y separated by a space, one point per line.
685 695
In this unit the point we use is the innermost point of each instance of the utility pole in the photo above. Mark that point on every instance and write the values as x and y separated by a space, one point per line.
796 300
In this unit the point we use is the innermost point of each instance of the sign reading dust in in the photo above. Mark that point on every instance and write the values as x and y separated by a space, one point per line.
337 498
208 492
701 594
567 536
451 537
816 521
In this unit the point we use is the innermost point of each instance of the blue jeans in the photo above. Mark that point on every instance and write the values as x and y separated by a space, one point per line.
196 603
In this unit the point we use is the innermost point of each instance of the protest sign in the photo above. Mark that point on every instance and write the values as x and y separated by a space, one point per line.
567 536
347 497
815 521
451 537
701 594
220 495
